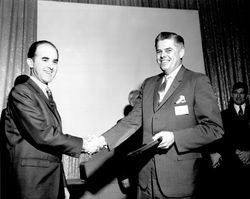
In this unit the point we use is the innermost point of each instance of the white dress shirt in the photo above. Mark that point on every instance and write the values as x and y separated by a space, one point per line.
170 78
237 107
40 85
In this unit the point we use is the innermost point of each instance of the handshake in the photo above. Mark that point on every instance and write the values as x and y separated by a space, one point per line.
92 144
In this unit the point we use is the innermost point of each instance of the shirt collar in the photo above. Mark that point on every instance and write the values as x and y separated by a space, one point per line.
237 107
41 85
174 73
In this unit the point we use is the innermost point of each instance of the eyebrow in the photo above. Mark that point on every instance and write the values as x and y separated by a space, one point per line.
164 49
45 58
49 58
240 92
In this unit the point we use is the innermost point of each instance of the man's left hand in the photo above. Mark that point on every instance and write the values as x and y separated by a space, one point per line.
66 193
216 159
167 139
244 156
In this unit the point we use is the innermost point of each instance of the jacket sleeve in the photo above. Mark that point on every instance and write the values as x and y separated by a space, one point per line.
126 127
209 123
37 124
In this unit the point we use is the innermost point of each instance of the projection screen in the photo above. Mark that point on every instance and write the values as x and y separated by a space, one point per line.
105 52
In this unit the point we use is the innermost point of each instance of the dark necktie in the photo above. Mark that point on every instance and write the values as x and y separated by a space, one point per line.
50 97
162 88
240 113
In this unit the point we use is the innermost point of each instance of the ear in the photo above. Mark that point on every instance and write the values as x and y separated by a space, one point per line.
182 52
30 62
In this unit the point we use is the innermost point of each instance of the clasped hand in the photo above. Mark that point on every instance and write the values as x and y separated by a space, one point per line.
92 144
167 139
244 156
216 160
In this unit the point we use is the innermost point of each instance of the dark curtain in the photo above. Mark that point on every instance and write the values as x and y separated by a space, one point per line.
17 32
226 46
18 19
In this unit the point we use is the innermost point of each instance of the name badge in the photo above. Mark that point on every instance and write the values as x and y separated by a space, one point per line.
181 110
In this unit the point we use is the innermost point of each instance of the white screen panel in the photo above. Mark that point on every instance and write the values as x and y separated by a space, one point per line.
105 52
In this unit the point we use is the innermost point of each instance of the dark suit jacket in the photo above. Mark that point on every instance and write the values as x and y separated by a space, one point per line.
35 144
237 134
195 122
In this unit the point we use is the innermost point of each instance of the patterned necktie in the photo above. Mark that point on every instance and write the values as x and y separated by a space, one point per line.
240 112
50 97
162 88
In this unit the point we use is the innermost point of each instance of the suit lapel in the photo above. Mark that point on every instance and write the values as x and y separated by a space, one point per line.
177 81
155 96
35 88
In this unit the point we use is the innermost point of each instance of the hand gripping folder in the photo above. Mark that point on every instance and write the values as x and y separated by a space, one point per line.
108 163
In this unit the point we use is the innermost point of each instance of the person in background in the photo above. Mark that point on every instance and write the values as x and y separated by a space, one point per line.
128 179
236 148
32 126
179 106
131 99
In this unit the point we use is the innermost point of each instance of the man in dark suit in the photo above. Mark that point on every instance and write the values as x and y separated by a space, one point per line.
236 143
33 131
184 113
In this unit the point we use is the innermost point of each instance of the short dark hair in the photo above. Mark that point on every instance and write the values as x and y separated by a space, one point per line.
32 50
238 85
169 35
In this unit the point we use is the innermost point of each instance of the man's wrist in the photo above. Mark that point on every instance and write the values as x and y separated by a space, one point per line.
103 142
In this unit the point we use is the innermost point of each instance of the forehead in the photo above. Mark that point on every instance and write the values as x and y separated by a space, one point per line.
167 43
46 50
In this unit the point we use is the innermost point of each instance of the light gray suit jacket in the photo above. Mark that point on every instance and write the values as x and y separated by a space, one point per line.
190 110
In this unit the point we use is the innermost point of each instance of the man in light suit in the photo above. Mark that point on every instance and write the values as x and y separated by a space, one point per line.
184 114
33 131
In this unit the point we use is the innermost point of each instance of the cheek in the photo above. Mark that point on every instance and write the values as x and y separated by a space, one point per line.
55 70
175 57
37 70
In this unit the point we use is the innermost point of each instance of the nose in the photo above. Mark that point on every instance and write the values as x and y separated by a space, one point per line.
239 94
51 66
163 54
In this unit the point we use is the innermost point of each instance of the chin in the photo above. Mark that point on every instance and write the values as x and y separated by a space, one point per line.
165 70
47 81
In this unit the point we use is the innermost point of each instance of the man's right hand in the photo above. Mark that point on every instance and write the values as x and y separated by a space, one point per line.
244 156
92 144
215 159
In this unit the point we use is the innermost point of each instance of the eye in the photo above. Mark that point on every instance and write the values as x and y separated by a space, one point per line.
55 61
168 50
45 59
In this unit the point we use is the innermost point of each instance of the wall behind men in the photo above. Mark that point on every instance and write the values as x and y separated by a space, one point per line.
105 52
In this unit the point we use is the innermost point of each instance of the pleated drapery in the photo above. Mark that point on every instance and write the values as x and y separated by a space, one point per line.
17 31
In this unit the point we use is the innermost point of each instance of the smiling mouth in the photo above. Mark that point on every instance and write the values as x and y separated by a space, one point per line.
164 62
48 73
